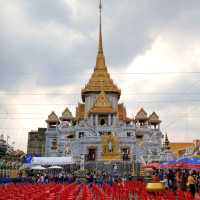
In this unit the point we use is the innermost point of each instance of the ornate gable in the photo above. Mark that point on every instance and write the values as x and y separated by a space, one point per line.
102 104
102 100
154 118
141 115
52 118
66 114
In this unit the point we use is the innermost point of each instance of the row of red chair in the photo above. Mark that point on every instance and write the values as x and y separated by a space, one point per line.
118 191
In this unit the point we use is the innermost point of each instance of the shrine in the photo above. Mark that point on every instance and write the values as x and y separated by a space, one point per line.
100 131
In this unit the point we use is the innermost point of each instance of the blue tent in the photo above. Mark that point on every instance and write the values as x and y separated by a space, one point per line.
189 160
169 162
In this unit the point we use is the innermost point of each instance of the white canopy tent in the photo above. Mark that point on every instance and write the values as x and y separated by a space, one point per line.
38 167
52 161
55 167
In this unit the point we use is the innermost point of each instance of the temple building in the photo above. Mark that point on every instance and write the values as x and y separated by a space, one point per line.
36 142
100 131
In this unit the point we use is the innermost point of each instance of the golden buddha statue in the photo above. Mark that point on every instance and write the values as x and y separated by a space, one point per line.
110 148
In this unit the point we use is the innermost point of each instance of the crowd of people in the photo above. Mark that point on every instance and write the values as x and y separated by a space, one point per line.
172 179
90 177
179 179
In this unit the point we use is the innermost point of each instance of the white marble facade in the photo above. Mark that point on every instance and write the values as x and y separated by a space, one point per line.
143 140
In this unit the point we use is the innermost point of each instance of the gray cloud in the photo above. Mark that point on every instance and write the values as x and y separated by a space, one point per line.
178 105
51 38
47 11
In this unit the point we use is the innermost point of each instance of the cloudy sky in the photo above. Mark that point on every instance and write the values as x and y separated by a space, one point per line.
48 50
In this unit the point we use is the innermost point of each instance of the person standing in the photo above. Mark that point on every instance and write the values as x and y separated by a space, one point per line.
191 184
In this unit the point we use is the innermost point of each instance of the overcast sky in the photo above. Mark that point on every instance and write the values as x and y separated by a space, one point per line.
48 50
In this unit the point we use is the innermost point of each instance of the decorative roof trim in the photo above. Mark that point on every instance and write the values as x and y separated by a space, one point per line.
52 118
154 118
102 104
66 114
141 115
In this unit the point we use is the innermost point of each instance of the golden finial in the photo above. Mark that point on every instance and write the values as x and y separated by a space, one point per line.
100 32
100 62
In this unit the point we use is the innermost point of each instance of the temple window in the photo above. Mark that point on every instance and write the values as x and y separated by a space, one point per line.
81 135
70 136
139 136
91 154
93 121
102 122
154 152
54 145
125 153
128 134
101 133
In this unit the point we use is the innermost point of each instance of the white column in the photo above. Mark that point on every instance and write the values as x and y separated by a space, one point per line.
96 120
91 120
114 120
109 120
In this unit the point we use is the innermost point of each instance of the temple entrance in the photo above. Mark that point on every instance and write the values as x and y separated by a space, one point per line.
91 154
102 122
125 153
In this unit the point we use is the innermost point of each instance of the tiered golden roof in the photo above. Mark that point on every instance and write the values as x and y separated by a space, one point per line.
100 79
141 115
66 115
102 104
52 118
154 119
80 111
121 112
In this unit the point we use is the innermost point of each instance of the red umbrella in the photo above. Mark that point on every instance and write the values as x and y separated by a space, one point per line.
152 165
191 166
168 166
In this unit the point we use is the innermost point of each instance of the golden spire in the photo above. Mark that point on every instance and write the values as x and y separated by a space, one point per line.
100 79
100 61
100 51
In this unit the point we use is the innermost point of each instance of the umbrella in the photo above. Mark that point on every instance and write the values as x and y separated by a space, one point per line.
55 167
152 165
38 167
183 162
